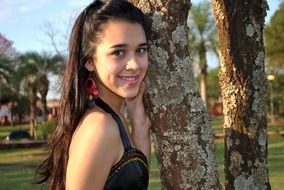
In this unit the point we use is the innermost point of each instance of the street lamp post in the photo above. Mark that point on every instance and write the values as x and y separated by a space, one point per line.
271 78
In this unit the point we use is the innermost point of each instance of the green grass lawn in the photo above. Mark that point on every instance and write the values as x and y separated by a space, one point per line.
17 166
217 125
42 130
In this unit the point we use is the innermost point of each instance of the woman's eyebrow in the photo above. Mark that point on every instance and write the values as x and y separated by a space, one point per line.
125 45
143 44
118 46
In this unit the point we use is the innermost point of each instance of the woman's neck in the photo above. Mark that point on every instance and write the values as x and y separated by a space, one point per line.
116 102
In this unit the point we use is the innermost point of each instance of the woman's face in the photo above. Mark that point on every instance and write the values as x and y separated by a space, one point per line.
121 59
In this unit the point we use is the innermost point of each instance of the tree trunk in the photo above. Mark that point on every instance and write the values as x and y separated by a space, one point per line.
12 113
183 136
243 85
32 97
43 90
44 105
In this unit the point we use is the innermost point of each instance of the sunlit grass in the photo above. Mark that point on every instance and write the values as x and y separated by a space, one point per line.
276 162
17 166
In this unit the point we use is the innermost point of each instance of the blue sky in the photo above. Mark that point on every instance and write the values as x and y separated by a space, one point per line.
22 21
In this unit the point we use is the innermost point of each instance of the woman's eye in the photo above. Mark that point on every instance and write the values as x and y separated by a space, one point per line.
118 53
141 50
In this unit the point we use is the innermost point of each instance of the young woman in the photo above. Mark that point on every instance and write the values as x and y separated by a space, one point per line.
92 146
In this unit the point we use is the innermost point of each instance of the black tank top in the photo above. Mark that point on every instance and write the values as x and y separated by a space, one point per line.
131 172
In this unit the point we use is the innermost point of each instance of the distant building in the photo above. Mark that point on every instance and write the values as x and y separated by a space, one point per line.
5 114
215 107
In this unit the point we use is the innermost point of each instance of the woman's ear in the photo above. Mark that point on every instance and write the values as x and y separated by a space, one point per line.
89 66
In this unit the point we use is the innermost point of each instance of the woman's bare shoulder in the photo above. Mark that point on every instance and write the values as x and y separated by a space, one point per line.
95 147
96 128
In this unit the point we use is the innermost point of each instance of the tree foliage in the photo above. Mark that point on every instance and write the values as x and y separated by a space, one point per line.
274 39
6 68
213 87
8 55
203 34
32 77
277 91
35 69
202 39
6 47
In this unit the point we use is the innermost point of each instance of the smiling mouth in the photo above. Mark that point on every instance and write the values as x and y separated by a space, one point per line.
130 79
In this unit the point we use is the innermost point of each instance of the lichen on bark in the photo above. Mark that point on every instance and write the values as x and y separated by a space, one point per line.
243 86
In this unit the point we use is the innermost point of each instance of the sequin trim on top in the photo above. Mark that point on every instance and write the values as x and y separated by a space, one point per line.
129 156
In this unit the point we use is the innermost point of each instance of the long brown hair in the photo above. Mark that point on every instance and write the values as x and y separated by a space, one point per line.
73 101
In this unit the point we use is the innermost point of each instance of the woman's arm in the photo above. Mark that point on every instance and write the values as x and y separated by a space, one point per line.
140 123
92 153
141 137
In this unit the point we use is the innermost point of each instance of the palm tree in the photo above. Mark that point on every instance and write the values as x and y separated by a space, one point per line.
202 39
26 75
46 64
33 73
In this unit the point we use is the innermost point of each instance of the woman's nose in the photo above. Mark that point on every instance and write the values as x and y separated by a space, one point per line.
132 63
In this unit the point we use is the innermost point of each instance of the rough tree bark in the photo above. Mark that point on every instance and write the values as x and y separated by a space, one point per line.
182 133
243 85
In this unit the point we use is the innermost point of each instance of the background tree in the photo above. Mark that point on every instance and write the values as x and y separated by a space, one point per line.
58 40
274 40
182 133
27 76
202 39
45 64
6 68
8 55
213 88
242 80
6 47
276 90
33 74
274 46
214 100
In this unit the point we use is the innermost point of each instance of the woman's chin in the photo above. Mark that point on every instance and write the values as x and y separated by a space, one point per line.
131 95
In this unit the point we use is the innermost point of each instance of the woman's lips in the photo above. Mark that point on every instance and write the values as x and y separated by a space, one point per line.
130 79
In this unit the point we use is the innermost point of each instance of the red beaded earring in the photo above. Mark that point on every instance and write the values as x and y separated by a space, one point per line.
91 87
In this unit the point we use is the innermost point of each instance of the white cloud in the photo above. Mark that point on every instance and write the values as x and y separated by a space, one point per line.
25 6
4 15
10 8
5 9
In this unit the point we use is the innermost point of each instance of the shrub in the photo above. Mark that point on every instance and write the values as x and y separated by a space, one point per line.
47 128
